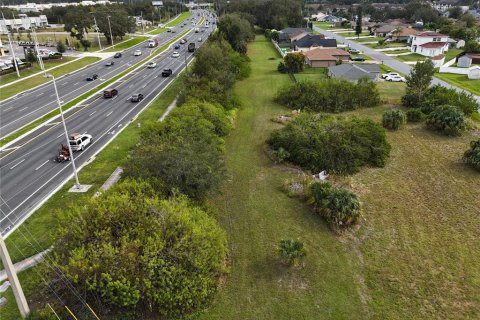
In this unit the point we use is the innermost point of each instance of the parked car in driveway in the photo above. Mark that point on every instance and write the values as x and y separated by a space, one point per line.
167 72
358 59
136 97
352 50
175 54
389 73
137 53
79 142
395 78
92 77
109 63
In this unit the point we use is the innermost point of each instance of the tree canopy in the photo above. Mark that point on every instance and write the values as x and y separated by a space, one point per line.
237 30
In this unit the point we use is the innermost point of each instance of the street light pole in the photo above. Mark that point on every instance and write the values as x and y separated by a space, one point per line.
110 27
77 182
39 57
98 32
15 63
141 17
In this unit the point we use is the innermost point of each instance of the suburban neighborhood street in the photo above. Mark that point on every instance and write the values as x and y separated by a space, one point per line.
391 62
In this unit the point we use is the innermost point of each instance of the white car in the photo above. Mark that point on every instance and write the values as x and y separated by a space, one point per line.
395 78
79 142
389 73
175 54
151 65
137 53
199 39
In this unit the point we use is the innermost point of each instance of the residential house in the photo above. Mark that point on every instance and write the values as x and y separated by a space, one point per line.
475 57
289 35
354 72
319 16
384 30
310 42
474 73
322 58
331 18
403 34
429 43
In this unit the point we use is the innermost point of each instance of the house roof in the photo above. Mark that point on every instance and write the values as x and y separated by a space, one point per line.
430 34
439 57
473 55
465 57
320 54
431 45
309 41
405 32
354 71
386 28
291 31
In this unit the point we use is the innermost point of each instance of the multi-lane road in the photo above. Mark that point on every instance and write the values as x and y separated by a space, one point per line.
28 173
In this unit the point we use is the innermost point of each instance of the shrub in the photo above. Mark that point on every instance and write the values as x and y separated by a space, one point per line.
393 119
472 156
410 100
438 95
280 155
337 145
282 67
338 206
294 62
447 120
414 115
292 252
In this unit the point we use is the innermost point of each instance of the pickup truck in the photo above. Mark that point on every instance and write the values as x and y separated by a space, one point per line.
191 47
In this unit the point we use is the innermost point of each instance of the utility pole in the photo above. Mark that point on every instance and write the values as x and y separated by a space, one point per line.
13 279
110 27
11 49
39 57
98 31
141 17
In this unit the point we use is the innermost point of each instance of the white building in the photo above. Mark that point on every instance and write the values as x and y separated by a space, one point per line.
429 43
23 22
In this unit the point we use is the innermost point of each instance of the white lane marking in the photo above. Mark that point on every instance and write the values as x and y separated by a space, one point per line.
144 86
40 94
131 86
64 84
114 98
41 165
17 164
109 113
76 83
8 108
22 109
91 114
8 149
60 135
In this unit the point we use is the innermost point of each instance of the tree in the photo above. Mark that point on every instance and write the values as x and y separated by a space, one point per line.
420 77
237 31
77 21
31 56
292 252
120 22
61 47
393 119
133 254
472 46
455 12
294 62
438 95
472 155
447 120
358 26
85 44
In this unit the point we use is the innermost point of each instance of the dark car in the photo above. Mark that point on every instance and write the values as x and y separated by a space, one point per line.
191 47
137 97
177 46
167 72
92 77
358 59
110 93
110 63
117 55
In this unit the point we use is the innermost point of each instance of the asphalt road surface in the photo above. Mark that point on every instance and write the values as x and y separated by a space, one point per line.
28 173
28 106
391 62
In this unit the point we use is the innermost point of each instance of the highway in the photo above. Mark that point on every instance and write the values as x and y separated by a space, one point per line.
28 173
28 106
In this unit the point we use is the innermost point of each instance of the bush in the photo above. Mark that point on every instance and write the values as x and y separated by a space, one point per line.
338 206
438 95
410 100
447 120
281 67
472 156
393 119
334 95
338 145
129 252
414 115
292 252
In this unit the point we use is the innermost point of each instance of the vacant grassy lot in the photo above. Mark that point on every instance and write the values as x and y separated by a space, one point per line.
411 57
33 69
37 80
324 25
312 74
460 80
184 16
257 215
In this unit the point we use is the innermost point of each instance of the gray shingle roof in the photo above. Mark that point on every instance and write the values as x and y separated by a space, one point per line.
354 71
308 41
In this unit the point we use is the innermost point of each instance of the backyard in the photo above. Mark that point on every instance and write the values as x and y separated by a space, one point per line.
460 80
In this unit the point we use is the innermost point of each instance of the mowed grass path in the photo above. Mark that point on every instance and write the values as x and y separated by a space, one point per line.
257 215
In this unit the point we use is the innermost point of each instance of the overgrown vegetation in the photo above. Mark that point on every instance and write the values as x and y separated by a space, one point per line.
447 120
472 155
393 119
292 252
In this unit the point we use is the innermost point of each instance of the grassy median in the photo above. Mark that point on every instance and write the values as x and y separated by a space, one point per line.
127 44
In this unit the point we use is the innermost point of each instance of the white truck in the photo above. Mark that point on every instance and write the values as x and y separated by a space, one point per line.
152 43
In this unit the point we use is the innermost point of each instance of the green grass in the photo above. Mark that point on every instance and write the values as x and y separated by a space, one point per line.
386 45
158 31
29 83
44 223
460 80
397 51
367 39
323 25
367 58
352 34
452 53
411 57
33 69
184 16
127 44
312 74
257 215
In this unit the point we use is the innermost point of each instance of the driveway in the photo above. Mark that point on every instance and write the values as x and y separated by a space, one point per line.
390 62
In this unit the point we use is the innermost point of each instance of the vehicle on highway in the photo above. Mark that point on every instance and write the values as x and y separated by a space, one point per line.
191 47
109 63
395 78
169 30
151 65
173 31
136 97
389 73
199 40
63 154
352 50
79 142
197 30
117 55
358 59
167 72
175 54
137 53
92 77
183 41
110 93
177 46
152 43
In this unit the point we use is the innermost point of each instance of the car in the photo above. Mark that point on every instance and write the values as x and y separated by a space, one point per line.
177 46
136 97
137 53
199 40
173 31
175 54
169 30
183 41
167 72
358 59
110 93
117 55
389 73
395 78
109 63
79 142
92 77
151 65
352 50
